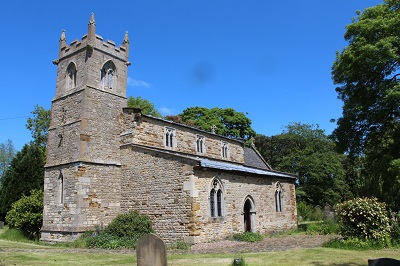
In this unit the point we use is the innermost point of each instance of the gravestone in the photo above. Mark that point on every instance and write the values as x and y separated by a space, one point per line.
384 262
1 224
151 251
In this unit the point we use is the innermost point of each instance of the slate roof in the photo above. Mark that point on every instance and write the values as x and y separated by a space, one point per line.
253 159
241 168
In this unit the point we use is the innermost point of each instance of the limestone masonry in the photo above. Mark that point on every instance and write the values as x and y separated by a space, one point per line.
104 159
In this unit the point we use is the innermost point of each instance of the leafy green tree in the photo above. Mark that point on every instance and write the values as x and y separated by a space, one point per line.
367 75
305 149
39 125
146 106
227 122
25 173
26 214
7 152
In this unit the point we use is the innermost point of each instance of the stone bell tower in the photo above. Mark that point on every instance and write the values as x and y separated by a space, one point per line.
83 170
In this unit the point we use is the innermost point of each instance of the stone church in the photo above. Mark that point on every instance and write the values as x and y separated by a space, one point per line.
104 159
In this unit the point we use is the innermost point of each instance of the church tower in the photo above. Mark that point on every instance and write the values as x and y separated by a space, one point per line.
83 169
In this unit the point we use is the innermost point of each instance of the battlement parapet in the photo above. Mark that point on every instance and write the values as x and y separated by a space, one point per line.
92 41
107 46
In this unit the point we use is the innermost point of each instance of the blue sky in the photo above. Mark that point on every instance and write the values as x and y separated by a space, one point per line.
269 59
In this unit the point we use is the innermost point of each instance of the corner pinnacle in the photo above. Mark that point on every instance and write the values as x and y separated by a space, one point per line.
91 21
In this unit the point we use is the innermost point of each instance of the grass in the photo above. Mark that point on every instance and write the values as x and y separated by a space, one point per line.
18 253
32 253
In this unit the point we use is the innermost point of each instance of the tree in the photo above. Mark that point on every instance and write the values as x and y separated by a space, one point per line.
27 214
367 75
146 106
305 149
25 173
7 152
227 122
39 125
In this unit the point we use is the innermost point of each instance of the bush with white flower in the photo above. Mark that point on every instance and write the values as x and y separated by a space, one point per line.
364 218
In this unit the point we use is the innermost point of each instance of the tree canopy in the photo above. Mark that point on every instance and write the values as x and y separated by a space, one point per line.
25 173
223 121
145 105
367 74
305 150
39 125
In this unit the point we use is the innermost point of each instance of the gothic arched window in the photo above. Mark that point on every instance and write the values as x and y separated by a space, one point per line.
170 137
278 197
71 76
200 145
108 76
217 199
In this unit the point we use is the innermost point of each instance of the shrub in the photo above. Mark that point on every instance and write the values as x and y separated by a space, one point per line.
123 232
363 218
26 214
248 237
395 233
180 245
131 224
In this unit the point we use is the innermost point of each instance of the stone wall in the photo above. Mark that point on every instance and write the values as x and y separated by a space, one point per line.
174 192
237 187
88 197
152 183
149 131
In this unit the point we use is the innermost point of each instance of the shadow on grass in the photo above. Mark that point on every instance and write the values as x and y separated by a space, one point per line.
339 264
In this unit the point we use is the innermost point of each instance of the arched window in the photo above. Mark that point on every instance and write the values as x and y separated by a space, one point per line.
60 188
212 202
71 76
108 76
200 145
278 197
170 137
224 149
249 214
217 199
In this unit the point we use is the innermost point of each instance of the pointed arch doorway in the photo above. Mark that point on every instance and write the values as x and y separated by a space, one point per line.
248 215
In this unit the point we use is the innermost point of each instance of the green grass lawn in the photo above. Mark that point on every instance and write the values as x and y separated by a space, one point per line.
17 253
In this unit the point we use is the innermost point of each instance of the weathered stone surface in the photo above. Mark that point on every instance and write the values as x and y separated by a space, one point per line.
151 251
104 159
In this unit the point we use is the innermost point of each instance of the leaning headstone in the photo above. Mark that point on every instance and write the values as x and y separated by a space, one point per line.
1 224
151 251
384 262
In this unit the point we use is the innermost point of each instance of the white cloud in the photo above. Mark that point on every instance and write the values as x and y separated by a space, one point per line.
165 111
138 83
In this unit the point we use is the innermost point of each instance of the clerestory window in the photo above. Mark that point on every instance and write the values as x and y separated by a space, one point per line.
200 145
170 137
224 150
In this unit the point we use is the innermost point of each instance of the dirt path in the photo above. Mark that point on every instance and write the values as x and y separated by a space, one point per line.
277 243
